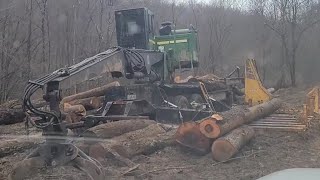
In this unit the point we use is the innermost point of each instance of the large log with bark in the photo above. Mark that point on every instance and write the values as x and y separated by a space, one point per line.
11 116
11 112
77 109
143 141
237 117
96 92
231 119
197 135
149 145
189 135
227 146
89 103
10 146
117 128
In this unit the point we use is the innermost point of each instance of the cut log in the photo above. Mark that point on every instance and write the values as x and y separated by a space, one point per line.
117 128
73 117
127 146
17 104
209 127
140 141
237 117
96 92
197 135
262 110
227 146
11 116
11 146
89 103
189 135
146 146
77 109
149 131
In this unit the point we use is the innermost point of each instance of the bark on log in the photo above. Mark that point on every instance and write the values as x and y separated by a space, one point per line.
11 116
89 103
146 146
227 146
262 110
189 135
237 117
142 141
77 109
11 146
96 92
117 128
197 135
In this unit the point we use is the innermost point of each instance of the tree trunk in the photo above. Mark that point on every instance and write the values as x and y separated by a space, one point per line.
10 116
143 141
89 103
117 128
78 109
189 135
96 92
11 146
28 68
227 146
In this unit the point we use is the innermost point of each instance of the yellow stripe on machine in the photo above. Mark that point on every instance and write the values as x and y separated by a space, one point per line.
172 42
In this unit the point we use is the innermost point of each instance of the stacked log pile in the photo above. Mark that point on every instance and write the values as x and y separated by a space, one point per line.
223 134
77 105
74 106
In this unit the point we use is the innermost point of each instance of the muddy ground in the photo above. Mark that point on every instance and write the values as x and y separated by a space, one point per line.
269 151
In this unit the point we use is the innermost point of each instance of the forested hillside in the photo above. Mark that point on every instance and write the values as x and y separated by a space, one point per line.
39 36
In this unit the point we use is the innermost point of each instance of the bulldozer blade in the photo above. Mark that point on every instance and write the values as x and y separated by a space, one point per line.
189 135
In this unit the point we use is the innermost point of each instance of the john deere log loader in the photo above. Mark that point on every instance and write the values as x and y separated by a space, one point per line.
149 62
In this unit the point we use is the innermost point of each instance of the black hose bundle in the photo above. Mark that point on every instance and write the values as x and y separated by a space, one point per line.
48 118
134 61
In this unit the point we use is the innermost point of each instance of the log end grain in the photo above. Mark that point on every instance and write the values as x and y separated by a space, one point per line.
189 135
209 128
222 150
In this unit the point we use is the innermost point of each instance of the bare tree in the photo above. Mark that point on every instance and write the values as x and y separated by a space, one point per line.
290 19
219 33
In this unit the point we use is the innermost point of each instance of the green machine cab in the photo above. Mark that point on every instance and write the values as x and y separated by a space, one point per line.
135 30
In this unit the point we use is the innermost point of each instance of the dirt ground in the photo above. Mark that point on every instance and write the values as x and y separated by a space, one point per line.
269 151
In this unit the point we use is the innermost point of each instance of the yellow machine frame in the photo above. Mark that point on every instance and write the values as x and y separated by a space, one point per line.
312 101
255 93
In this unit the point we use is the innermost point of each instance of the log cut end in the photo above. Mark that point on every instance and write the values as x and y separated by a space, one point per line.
209 128
222 150
189 135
